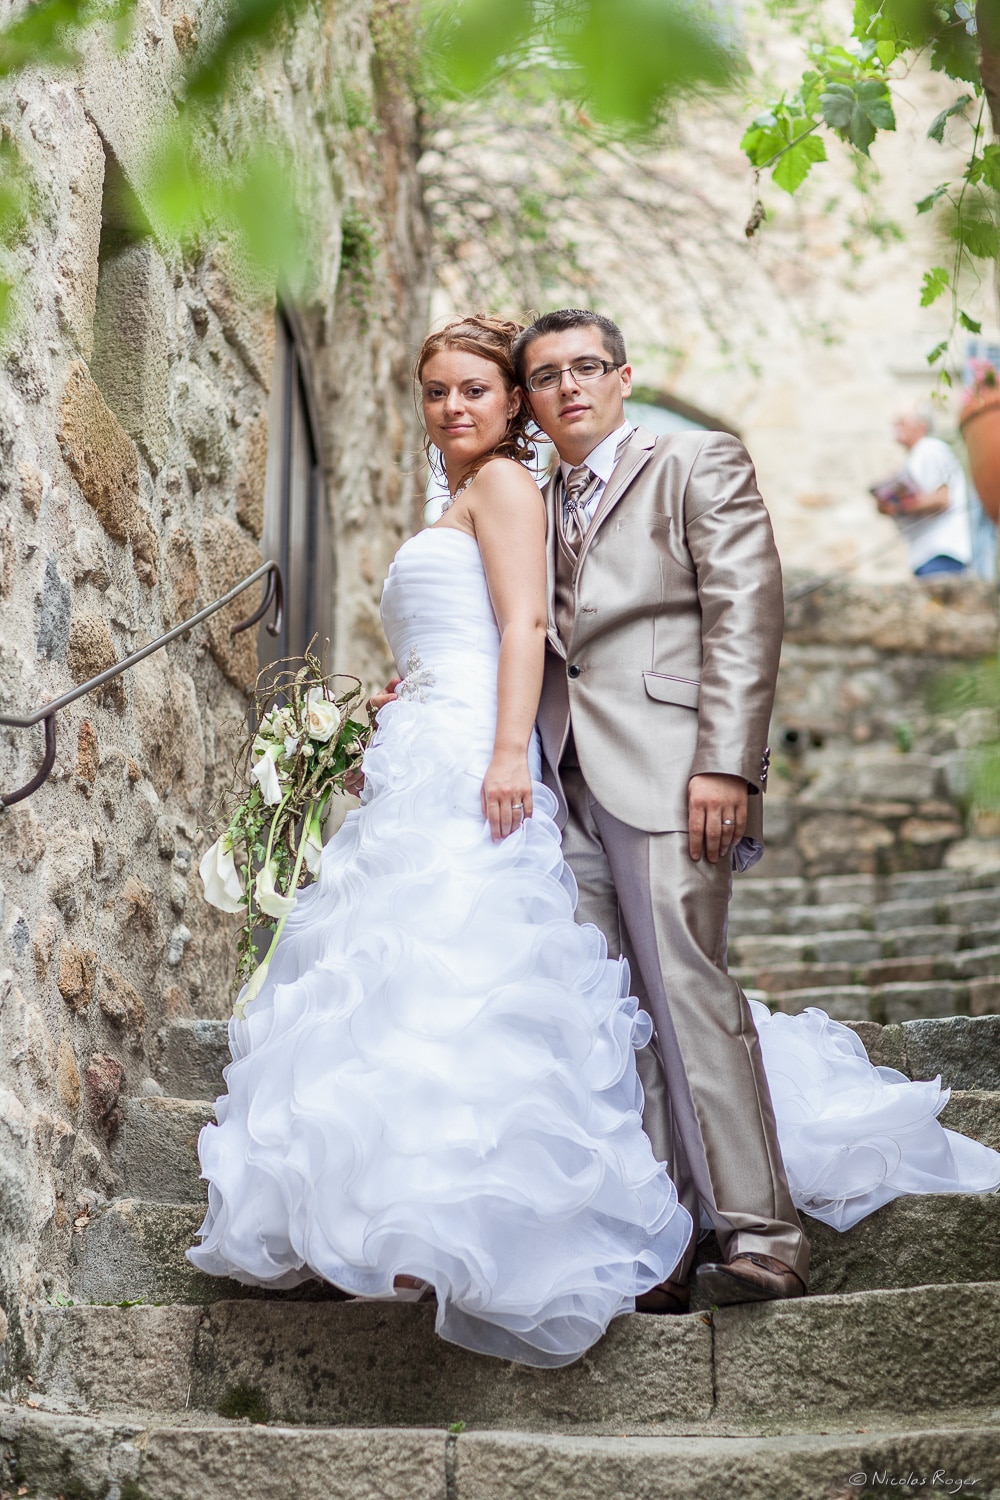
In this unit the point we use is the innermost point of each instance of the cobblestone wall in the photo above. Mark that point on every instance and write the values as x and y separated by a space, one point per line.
865 774
130 495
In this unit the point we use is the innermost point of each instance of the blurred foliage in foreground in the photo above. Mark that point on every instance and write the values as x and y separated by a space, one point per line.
211 172
198 180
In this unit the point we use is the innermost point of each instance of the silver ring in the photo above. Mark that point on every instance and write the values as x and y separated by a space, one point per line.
727 822
515 805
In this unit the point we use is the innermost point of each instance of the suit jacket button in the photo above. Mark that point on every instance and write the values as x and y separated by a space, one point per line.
573 671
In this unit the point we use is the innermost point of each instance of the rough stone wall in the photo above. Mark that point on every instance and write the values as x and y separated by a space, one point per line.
129 497
866 773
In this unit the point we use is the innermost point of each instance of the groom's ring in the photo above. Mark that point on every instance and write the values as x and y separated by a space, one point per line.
727 822
515 805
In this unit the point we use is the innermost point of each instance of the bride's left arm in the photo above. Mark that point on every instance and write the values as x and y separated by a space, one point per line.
509 518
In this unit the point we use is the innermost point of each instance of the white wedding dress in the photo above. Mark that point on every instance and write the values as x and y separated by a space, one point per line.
438 1080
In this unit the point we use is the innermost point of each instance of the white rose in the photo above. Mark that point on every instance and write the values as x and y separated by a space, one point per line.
265 773
268 898
223 887
322 717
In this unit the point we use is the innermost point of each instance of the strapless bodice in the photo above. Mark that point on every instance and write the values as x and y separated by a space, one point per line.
437 615
443 635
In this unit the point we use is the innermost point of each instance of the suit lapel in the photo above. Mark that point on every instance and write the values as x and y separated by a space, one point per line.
637 453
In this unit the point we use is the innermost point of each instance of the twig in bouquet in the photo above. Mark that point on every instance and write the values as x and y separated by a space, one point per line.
300 747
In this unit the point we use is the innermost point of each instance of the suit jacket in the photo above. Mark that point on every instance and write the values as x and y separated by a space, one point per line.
671 663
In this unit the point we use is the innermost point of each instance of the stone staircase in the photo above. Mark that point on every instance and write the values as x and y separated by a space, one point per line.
871 948
155 1382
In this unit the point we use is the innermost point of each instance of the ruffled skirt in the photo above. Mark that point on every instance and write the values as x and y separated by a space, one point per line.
854 1136
438 1080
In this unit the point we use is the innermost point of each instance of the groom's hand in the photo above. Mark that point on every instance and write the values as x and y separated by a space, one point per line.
717 815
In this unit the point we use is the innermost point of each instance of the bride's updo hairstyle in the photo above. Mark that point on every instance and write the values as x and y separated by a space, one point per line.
493 339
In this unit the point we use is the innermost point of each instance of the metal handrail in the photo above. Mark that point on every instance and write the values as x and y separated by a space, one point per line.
274 592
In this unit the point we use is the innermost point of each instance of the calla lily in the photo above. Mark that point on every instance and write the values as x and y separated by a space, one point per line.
253 988
291 745
313 851
268 899
265 773
223 887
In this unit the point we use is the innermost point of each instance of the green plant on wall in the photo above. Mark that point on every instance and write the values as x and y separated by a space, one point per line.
845 94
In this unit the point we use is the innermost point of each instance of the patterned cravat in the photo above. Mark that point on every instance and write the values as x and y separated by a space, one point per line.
580 486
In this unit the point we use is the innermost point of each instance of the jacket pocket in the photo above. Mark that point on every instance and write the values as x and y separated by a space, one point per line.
666 689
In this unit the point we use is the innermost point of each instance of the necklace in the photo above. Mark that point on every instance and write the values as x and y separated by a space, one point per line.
452 498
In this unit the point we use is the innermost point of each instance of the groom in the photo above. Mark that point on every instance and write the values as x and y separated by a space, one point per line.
665 621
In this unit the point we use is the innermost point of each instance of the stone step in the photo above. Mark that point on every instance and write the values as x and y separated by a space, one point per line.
772 981
157 1149
135 1249
886 1003
964 1050
206 1459
849 947
189 1058
901 931
976 1113
158 1159
925 1348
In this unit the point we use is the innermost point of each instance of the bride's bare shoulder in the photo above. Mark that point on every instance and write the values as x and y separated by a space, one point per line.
504 478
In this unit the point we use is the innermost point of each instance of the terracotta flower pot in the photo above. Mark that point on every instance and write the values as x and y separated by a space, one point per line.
980 424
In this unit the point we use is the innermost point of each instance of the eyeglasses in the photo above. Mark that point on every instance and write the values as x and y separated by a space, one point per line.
581 369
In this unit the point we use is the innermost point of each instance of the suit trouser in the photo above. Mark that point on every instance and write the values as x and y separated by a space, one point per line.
708 1110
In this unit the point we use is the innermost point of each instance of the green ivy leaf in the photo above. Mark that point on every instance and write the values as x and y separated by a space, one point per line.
937 352
935 131
793 167
886 52
926 204
936 282
970 323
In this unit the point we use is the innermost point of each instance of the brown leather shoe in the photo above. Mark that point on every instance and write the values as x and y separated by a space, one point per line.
748 1278
668 1297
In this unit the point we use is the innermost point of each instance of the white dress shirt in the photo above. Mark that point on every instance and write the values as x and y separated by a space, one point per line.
600 462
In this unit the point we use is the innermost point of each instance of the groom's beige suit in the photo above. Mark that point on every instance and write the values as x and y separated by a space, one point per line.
663 642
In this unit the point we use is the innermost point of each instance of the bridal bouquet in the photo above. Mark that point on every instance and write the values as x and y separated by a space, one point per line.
304 748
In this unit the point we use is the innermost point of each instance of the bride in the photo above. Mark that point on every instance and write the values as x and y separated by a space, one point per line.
435 1092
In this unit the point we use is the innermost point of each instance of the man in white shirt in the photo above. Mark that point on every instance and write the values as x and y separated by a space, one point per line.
934 518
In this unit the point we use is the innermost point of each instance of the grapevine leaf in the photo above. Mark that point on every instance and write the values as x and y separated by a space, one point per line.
793 167
936 282
837 104
937 352
986 168
926 204
956 53
979 237
970 323
875 101
935 130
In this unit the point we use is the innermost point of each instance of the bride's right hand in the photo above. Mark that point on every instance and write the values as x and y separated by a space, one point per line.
387 695
506 794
